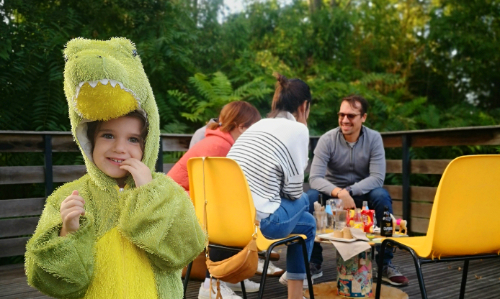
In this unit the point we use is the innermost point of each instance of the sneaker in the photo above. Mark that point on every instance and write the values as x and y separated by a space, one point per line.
316 271
272 270
284 281
392 275
250 286
226 292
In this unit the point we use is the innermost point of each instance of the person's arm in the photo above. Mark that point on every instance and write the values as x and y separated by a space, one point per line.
293 186
319 165
377 169
60 267
160 218
198 136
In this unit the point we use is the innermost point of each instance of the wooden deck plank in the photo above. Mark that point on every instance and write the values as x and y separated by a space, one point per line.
442 279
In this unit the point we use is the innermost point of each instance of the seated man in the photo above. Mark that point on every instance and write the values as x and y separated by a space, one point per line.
349 163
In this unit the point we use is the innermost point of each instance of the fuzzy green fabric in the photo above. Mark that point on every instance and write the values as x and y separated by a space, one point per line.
157 217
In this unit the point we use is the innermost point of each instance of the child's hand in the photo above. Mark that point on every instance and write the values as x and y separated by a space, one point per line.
139 171
71 209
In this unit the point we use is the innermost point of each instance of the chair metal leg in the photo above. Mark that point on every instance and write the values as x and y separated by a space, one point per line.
186 278
420 276
243 289
268 257
264 271
416 260
464 279
308 268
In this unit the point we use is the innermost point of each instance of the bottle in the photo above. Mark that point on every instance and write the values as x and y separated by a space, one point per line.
320 198
365 206
358 220
386 225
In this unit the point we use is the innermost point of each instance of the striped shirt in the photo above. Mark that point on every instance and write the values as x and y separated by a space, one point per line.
273 156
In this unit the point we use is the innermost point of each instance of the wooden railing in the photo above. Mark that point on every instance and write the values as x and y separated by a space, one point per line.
19 216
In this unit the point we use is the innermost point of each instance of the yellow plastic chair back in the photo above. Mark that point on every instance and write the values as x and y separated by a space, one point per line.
230 208
464 218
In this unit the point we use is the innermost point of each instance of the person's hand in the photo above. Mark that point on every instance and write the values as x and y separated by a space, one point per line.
347 200
71 209
139 171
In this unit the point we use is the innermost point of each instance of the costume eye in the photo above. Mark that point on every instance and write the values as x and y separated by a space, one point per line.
65 58
134 52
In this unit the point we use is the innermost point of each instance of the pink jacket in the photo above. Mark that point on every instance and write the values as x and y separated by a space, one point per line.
215 144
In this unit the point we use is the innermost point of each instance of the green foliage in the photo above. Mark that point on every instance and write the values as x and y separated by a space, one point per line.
210 93
462 49
421 64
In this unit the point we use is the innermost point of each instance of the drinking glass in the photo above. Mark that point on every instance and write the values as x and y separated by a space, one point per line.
330 219
341 219
340 205
321 220
332 204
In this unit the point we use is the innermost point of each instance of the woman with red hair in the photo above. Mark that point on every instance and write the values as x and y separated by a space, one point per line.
234 119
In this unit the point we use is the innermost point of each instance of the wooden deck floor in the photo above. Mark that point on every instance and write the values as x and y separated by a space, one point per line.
442 279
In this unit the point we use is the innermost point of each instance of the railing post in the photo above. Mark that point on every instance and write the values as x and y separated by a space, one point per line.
312 144
159 162
406 140
47 166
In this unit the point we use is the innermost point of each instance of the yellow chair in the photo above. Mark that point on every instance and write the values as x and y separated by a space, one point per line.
463 223
231 211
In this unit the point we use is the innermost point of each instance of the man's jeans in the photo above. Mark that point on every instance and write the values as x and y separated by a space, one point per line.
377 199
292 217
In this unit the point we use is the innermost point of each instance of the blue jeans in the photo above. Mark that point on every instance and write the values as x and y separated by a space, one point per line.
292 217
377 199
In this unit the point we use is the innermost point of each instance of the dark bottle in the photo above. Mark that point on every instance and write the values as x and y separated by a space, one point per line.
386 225
320 199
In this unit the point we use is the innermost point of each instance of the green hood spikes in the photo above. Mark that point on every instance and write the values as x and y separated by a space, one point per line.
104 80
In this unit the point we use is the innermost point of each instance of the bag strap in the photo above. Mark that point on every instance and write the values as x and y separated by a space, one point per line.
205 228
205 202
219 294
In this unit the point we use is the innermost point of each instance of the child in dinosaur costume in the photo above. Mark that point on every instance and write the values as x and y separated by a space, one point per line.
121 230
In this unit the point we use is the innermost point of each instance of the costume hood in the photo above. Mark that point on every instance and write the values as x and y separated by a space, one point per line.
105 80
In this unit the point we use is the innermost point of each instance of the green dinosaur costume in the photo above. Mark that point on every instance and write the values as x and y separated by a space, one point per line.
132 242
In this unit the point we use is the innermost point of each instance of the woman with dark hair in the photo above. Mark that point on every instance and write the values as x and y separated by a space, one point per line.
273 155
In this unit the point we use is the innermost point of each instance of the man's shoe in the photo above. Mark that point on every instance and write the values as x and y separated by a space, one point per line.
392 275
250 286
284 281
226 292
316 271
272 270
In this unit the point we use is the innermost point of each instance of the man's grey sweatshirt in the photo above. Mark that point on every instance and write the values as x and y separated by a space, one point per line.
337 164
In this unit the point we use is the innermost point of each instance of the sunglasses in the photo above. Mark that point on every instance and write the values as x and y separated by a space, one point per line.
349 116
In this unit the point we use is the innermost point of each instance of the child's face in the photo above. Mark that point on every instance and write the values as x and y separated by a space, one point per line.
115 141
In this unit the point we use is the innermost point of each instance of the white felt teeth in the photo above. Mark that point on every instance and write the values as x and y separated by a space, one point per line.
93 84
